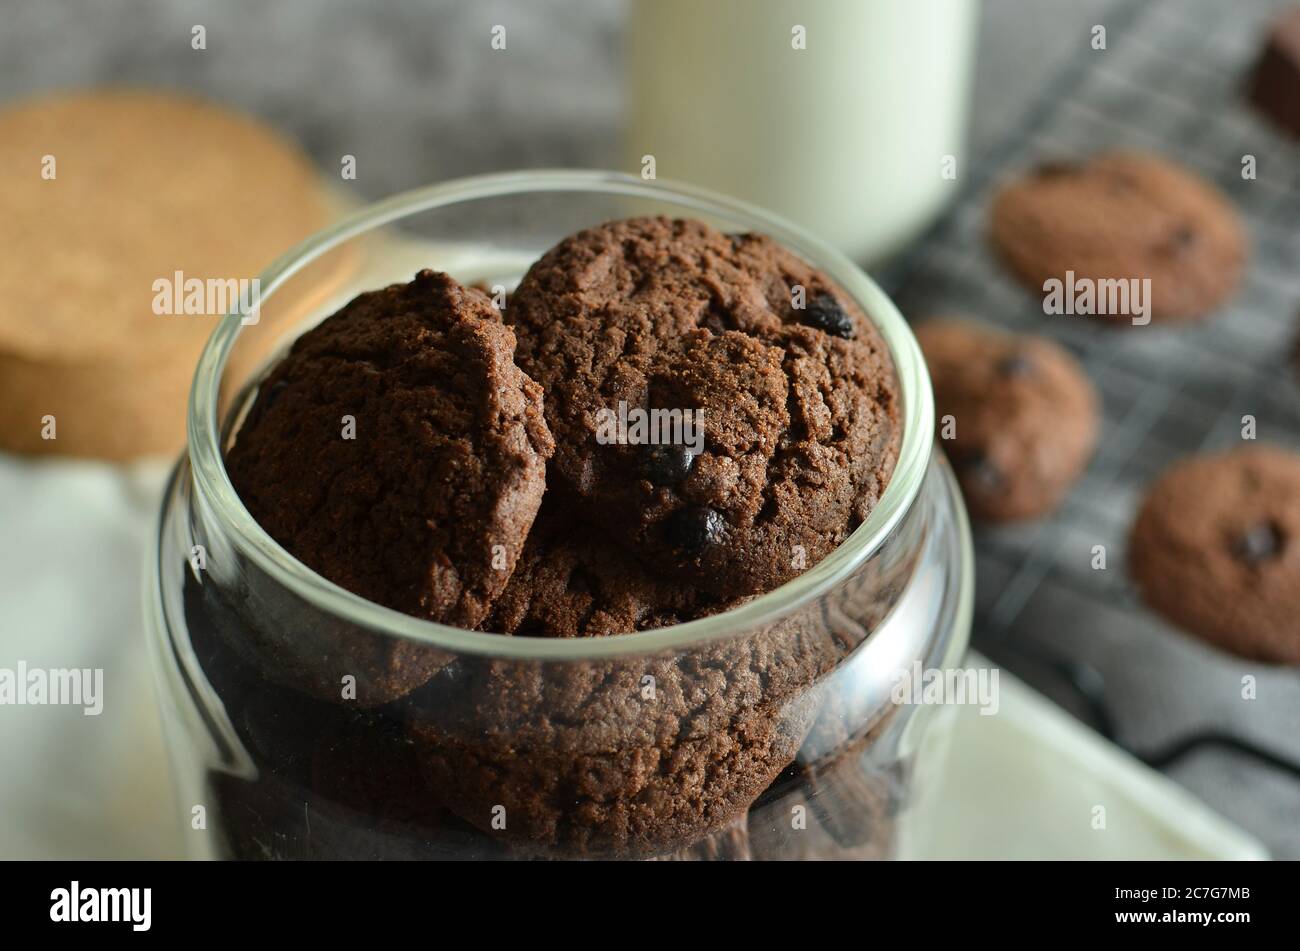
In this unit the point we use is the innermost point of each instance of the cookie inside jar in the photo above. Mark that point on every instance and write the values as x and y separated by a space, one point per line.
599 494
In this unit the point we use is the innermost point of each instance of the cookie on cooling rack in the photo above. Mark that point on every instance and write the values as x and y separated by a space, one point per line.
1123 216
1016 414
1215 549
1275 82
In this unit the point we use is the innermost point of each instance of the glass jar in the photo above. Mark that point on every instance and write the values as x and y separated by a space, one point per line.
306 722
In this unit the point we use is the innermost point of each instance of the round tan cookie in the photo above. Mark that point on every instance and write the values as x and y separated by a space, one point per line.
1215 548
1023 412
1123 216
102 194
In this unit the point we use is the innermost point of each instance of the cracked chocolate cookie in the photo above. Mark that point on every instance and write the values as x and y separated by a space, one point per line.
398 451
1215 549
1123 216
791 387
1021 414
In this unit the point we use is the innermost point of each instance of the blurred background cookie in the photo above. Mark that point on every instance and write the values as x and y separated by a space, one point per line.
112 205
1215 548
1123 216
1016 414
1275 82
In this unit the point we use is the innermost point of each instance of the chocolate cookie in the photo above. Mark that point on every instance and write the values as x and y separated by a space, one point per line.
568 583
1275 81
1021 414
620 758
1215 548
637 756
1123 216
399 452
799 404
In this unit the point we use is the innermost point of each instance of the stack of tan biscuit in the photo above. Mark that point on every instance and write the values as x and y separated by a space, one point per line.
103 195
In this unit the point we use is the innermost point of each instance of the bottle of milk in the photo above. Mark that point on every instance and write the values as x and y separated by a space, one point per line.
846 116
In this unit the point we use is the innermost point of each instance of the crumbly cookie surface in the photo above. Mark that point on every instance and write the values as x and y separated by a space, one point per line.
800 412
425 504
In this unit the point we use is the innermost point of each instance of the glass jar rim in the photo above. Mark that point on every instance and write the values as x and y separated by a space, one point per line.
212 481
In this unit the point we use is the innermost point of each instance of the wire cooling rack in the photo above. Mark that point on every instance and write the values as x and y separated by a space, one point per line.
1171 80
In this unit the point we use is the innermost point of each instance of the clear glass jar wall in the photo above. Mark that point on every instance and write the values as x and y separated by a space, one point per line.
307 723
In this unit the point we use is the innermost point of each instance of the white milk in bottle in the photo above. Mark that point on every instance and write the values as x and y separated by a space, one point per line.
846 116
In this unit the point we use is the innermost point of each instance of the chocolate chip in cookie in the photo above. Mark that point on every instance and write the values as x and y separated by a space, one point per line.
977 470
825 313
694 530
668 464
1016 364
1259 543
